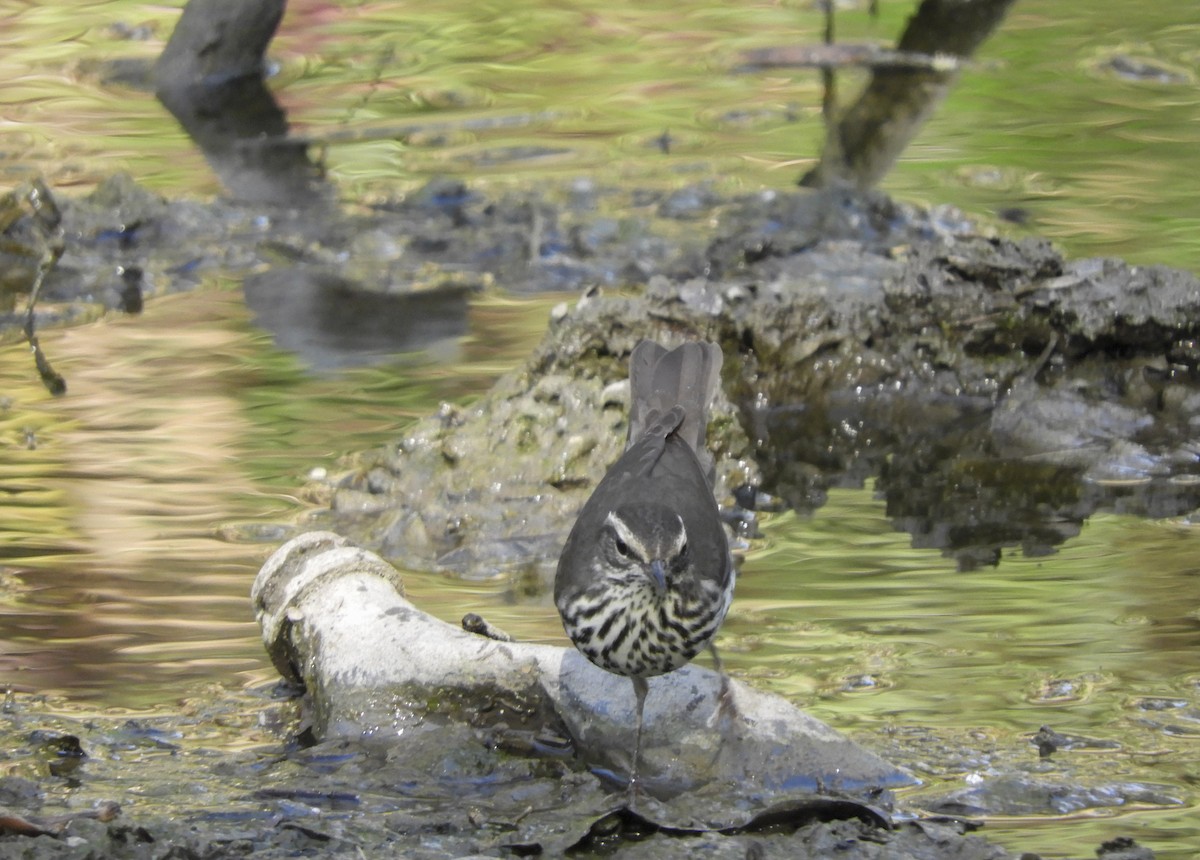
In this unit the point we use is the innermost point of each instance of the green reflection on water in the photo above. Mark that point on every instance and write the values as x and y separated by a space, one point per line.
839 613
1041 128
1097 158
842 597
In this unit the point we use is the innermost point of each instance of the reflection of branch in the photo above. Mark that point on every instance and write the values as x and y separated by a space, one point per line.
210 77
873 131
407 130
846 56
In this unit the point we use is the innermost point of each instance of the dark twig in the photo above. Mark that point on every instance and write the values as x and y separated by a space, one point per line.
829 90
47 214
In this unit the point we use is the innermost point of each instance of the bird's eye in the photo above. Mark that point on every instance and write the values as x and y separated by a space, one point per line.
683 549
622 548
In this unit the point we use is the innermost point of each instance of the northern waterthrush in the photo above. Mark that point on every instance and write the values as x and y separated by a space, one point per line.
645 577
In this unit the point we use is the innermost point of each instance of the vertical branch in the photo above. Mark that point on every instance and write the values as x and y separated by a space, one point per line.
45 216
52 379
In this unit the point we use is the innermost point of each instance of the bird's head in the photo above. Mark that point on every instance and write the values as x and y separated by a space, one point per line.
645 539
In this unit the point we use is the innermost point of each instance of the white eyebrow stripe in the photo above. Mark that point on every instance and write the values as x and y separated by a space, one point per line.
682 540
624 532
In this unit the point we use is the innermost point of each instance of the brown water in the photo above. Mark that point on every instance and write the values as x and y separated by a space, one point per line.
135 511
138 508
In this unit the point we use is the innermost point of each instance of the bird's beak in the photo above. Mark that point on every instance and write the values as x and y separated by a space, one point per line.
658 576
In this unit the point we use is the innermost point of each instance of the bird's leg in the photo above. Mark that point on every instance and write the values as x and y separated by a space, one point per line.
640 689
725 704
723 714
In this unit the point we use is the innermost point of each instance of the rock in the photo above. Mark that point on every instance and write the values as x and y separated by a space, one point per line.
334 616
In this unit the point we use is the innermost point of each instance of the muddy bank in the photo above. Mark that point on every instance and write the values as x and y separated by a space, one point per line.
982 380
862 338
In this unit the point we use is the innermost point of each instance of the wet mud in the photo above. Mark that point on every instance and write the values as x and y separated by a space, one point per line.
983 381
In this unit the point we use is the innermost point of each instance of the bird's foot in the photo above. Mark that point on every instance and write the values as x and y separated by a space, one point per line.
633 792
726 706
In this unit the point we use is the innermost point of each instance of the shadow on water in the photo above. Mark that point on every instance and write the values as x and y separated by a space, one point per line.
330 323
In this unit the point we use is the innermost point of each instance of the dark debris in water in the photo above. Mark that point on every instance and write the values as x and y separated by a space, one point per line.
625 824
1048 742
1144 70
1014 794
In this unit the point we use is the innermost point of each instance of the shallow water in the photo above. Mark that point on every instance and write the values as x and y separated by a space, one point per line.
135 511
1054 125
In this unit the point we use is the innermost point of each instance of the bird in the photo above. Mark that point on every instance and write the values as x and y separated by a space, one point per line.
645 577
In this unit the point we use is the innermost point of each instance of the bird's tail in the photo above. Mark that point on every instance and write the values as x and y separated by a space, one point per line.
660 379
